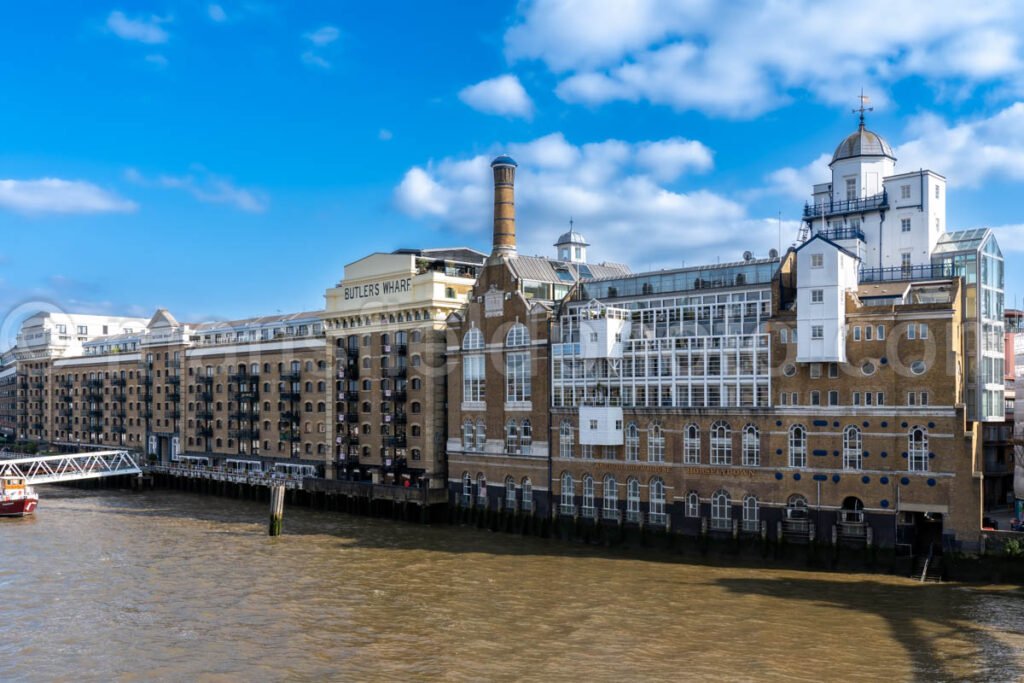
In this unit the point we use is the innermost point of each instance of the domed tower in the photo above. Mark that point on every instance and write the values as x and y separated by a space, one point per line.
504 169
572 246
859 164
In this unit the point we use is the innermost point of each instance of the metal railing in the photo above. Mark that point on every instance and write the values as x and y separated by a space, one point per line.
930 271
842 206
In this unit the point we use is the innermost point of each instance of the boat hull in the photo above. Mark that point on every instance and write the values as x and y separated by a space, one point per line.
18 507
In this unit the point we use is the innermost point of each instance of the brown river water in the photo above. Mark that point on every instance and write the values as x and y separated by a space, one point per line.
115 585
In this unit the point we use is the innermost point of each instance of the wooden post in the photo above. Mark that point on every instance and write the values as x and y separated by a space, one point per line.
276 509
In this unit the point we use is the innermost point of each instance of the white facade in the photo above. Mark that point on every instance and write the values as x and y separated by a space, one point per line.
601 425
825 273
56 334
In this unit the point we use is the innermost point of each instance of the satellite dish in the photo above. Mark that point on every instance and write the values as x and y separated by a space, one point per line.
747 255
773 253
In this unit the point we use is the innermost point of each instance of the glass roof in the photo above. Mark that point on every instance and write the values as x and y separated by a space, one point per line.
961 240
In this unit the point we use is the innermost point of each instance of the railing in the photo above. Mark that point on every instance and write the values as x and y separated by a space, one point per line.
588 512
204 396
399 494
721 523
172 414
56 468
931 271
289 395
94 383
204 432
843 234
657 519
266 479
842 206
204 414
611 514
291 376
634 516
564 509
290 437
252 433
204 379
172 396
118 381
174 380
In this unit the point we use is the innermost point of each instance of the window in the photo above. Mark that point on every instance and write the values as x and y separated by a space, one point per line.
868 368
905 261
751 521
853 448
588 496
856 398
510 493
517 336
565 440
610 491
517 377
922 331
923 398
467 489
784 335
721 510
526 437
856 333
632 442
918 367
833 397
815 370
851 188
467 434
817 296
880 333
691 445
481 490
936 191
815 398
911 331
905 225
692 504
481 434
817 332
751 446
633 500
511 436
788 369
587 451
867 332
912 398
917 450
721 444
656 503
655 444
797 446
904 191
817 260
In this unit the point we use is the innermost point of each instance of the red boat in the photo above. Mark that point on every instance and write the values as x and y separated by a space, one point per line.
17 498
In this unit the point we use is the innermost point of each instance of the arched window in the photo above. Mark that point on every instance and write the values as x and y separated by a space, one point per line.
565 439
511 436
525 437
853 448
721 444
655 443
467 488
510 493
568 498
721 510
481 490
751 446
692 504
481 434
656 505
467 434
796 507
633 500
474 340
632 442
588 496
917 450
610 492
691 444
751 514
527 495
518 335
797 446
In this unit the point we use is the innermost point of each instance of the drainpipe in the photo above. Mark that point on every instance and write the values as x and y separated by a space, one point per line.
547 399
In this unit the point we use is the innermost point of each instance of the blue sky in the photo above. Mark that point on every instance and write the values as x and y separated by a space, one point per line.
227 159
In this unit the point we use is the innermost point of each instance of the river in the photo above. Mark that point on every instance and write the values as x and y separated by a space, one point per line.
115 585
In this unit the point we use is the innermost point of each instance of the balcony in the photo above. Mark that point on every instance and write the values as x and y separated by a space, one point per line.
395 441
38 384
118 398
242 377
291 416
147 381
66 384
843 234
65 412
399 396
350 395
204 396
37 426
244 416
94 412
175 363
400 418
246 395
120 414
291 376
204 414
841 207
930 271
118 429
147 397
205 379
395 373
244 433
118 381
172 396
352 418
204 432
174 380
94 383
95 429
94 395
288 436
146 364
147 414
172 414
289 395
401 349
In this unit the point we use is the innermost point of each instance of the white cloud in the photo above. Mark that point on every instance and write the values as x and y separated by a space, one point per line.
503 95
1011 237
608 188
313 59
324 35
146 31
207 188
157 60
217 13
746 57
796 183
55 195
384 134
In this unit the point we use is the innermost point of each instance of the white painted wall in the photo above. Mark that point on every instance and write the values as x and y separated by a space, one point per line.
836 276
601 426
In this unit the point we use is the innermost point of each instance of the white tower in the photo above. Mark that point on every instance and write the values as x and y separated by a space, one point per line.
572 246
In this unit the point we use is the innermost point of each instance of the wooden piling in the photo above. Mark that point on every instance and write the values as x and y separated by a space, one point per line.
276 509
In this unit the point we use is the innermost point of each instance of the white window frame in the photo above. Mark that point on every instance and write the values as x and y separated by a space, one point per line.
917 450
632 442
655 443
853 448
751 446
691 444
721 443
751 514
721 510
797 446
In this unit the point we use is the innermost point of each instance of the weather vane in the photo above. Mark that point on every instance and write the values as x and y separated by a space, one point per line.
864 99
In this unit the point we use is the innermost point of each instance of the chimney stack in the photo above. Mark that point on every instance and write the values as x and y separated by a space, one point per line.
504 168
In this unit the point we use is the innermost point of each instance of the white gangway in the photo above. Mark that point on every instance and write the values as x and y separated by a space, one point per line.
52 469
